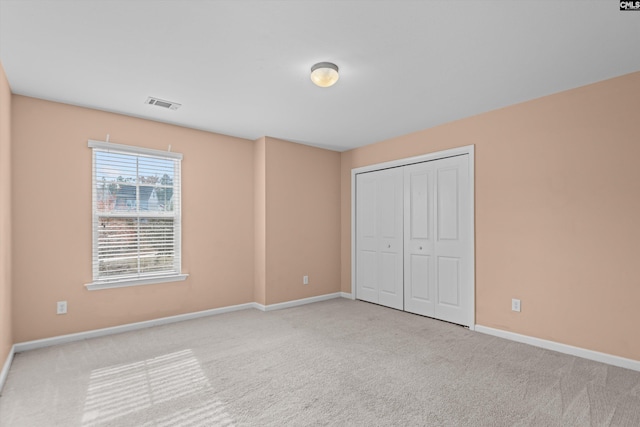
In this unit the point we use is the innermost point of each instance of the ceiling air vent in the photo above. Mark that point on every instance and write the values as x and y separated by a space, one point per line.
162 103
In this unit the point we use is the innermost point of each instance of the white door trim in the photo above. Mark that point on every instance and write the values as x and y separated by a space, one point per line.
467 149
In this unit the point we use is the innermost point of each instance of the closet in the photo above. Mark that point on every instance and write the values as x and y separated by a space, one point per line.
414 238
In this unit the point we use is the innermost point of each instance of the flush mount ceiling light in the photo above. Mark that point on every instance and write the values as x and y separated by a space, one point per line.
324 74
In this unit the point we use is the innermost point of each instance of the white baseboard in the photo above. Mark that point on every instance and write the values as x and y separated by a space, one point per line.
347 295
6 366
609 359
295 303
47 342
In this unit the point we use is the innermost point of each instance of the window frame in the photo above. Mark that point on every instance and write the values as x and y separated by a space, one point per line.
145 279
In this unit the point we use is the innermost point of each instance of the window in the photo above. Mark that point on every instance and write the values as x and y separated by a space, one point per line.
136 216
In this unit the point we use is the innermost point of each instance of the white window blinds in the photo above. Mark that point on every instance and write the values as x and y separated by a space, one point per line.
136 213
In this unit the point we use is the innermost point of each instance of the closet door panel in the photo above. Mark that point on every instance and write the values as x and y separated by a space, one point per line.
367 238
451 243
449 281
419 271
419 285
379 225
390 195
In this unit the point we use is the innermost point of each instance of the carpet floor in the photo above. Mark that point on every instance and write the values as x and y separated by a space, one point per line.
337 362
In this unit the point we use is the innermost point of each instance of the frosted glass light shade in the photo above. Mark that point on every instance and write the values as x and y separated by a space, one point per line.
324 74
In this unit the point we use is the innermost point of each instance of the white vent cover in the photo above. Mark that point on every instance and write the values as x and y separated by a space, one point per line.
162 103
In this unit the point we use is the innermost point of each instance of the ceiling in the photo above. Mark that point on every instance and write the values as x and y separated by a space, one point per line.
241 68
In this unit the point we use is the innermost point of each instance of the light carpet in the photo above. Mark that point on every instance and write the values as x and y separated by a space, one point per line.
337 362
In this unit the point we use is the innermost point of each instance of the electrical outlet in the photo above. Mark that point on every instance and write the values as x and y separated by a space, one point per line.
305 280
515 305
61 307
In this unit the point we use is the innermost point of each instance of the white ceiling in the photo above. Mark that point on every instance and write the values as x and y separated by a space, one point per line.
241 68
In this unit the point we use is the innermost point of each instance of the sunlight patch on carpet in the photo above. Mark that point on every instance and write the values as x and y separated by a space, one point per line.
164 388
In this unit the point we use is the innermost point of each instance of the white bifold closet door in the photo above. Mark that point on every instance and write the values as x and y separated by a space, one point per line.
413 239
437 250
379 231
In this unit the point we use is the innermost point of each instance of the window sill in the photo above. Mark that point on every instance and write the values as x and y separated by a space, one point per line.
95 286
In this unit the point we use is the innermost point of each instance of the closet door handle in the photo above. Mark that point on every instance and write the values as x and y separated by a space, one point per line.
420 247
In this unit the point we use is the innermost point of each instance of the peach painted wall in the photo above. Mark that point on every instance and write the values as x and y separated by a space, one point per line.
6 335
259 206
52 220
557 188
302 221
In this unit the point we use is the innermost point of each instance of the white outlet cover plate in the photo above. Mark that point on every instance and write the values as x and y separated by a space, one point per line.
62 307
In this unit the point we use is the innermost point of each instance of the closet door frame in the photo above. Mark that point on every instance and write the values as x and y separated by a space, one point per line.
469 150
